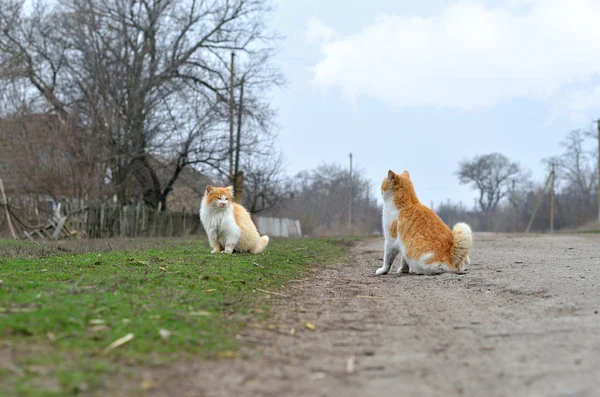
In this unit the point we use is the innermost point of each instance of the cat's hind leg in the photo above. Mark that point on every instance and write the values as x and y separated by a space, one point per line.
229 247
404 268
391 251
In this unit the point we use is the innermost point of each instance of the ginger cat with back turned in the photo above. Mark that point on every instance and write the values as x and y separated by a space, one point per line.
426 243
228 224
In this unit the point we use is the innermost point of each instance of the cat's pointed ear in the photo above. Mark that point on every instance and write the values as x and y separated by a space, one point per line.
230 188
405 173
391 175
209 189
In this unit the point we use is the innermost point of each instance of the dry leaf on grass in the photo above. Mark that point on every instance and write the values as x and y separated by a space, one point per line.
12 368
164 333
40 370
227 354
199 313
98 328
258 264
272 293
147 384
18 309
96 321
119 342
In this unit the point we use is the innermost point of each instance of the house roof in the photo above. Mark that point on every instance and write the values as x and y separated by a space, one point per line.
188 189
23 139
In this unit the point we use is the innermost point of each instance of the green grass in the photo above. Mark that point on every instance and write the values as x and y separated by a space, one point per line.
591 231
62 305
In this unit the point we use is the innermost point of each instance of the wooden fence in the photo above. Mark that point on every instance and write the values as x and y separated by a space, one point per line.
80 219
278 227
137 220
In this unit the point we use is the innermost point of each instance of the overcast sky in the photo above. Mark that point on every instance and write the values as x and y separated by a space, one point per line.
420 85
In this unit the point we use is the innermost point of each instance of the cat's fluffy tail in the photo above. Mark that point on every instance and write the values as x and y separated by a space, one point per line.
463 241
262 244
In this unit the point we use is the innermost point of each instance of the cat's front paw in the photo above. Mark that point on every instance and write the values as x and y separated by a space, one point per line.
381 271
227 251
215 251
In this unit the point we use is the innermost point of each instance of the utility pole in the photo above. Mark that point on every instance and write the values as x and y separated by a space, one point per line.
513 201
537 204
231 120
351 193
367 209
238 175
552 200
598 170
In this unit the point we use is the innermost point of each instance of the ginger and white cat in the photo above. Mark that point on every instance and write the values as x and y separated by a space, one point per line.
228 224
426 243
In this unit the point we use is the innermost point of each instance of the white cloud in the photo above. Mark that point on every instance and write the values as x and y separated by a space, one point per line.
318 31
468 56
580 102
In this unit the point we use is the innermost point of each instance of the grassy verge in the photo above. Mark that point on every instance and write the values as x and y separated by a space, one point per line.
61 308
592 231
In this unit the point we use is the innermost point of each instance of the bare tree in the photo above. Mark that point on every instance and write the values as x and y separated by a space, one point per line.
263 184
492 175
146 77
577 176
320 198
575 166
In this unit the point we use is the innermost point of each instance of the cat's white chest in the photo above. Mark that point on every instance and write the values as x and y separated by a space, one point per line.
221 222
389 215
213 219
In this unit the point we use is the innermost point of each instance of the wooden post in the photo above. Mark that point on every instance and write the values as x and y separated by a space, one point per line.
102 213
239 187
598 170
239 180
538 203
552 199
351 193
366 211
514 204
5 201
231 119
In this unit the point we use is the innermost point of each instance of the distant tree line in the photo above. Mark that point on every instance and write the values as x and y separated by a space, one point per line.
507 197
322 199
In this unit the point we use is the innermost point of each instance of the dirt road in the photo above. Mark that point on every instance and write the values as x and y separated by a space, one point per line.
523 321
